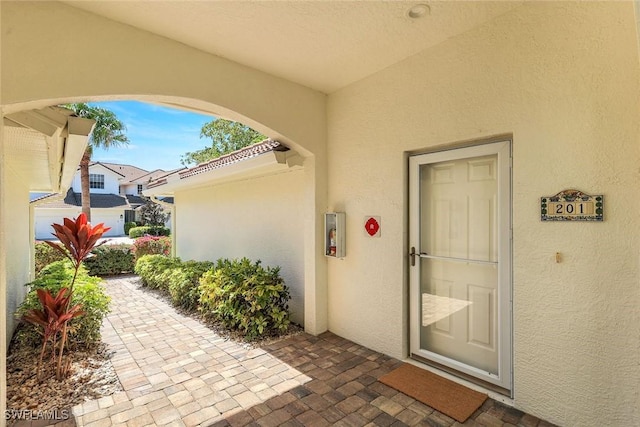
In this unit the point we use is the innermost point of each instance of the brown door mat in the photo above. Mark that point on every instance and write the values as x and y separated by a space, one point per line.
452 399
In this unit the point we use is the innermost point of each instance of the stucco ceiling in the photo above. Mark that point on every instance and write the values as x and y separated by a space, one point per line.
324 45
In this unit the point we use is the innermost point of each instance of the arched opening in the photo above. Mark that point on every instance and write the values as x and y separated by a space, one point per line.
46 64
298 261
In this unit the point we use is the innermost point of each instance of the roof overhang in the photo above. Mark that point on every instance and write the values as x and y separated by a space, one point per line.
269 163
45 146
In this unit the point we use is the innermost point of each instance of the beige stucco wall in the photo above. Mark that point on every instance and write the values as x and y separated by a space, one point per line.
260 218
18 266
563 79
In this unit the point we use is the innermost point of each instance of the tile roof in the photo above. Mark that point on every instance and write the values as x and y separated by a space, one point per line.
98 201
129 172
228 159
234 157
160 180
150 176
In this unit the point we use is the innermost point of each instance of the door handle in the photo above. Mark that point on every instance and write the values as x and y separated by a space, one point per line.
412 254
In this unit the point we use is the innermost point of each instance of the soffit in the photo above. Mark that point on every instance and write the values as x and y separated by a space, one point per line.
27 155
43 147
324 45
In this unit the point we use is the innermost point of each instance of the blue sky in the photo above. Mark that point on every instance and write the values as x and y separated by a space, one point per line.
158 135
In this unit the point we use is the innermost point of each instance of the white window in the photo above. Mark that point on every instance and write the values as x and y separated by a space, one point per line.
139 188
96 180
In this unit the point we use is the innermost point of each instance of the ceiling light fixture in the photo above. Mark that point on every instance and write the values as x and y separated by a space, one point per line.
418 11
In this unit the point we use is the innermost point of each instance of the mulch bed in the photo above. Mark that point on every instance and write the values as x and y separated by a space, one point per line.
92 376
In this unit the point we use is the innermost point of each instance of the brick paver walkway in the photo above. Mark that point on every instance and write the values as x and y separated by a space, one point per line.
177 372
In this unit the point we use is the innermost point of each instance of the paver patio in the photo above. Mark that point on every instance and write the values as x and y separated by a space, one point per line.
177 372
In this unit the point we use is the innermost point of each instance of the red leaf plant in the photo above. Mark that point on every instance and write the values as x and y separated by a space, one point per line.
55 313
77 239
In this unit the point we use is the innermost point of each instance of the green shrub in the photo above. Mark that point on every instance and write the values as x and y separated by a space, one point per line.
108 260
151 245
88 292
45 255
128 226
245 296
154 270
151 230
184 282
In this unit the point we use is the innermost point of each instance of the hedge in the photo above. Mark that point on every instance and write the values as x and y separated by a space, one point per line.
184 281
128 226
151 230
154 270
246 296
151 245
239 294
45 255
109 260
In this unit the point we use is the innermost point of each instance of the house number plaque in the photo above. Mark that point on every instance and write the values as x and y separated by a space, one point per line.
572 205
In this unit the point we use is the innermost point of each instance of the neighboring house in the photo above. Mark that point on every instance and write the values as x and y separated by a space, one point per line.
116 191
361 91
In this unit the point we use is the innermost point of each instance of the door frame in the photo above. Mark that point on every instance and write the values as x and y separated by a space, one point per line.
503 381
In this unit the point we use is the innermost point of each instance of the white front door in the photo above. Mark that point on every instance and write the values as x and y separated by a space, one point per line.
460 239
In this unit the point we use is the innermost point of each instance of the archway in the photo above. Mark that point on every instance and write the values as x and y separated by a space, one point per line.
46 64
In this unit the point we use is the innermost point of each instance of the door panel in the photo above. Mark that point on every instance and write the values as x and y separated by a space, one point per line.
465 294
460 288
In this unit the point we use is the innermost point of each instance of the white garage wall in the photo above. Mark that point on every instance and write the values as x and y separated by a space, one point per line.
44 217
563 79
110 218
259 218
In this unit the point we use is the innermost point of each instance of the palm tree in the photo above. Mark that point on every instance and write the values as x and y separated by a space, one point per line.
108 132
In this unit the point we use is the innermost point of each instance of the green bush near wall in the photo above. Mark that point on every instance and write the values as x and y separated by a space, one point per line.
128 226
184 282
155 269
88 292
109 260
45 255
151 230
245 296
239 294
